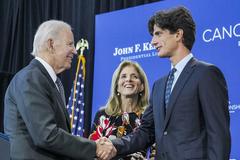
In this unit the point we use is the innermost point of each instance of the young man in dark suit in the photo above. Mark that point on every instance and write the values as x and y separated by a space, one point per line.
188 115
35 116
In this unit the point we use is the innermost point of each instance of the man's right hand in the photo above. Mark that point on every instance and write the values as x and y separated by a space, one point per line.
105 149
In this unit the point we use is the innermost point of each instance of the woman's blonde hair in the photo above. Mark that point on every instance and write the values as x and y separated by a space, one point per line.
113 105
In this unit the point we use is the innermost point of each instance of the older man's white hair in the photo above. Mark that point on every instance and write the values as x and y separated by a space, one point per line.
49 29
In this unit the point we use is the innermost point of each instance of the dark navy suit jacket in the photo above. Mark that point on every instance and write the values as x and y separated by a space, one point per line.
196 123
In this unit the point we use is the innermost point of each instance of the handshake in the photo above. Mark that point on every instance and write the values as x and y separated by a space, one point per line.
105 149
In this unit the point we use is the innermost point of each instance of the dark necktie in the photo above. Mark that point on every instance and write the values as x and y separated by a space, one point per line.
61 89
169 85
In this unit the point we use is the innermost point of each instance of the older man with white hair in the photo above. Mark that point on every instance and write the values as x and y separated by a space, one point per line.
35 116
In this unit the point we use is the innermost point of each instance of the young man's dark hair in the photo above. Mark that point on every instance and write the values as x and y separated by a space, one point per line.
174 19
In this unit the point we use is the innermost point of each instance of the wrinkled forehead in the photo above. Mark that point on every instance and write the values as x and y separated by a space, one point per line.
65 35
130 70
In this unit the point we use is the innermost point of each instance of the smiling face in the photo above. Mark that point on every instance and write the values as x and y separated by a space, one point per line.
164 41
63 51
129 82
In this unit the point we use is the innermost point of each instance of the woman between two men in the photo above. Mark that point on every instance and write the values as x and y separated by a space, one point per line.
128 99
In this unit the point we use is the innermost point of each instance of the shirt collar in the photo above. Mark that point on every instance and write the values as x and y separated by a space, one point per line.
48 68
181 64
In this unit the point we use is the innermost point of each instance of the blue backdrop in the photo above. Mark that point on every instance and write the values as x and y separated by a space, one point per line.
124 35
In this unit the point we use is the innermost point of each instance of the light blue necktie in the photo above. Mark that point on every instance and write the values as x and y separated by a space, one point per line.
169 86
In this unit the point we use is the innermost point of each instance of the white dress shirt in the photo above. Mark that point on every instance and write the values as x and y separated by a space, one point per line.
49 69
180 66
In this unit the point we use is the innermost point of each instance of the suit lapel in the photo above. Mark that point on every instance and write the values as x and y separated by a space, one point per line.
64 110
159 103
55 91
183 78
